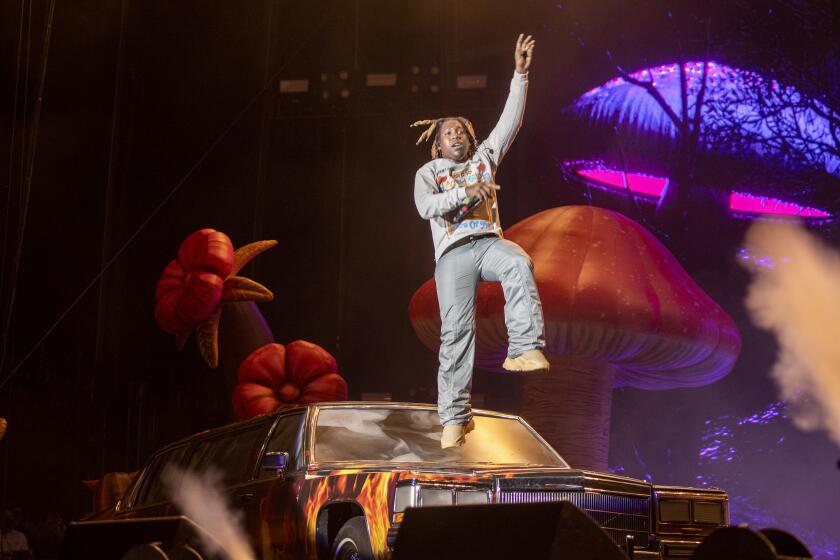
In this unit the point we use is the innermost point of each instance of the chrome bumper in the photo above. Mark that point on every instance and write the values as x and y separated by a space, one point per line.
391 538
676 549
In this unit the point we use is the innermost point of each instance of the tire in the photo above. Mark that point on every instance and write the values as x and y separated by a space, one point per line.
352 541
148 551
184 552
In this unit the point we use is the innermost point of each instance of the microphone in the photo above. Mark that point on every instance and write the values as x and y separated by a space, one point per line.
465 208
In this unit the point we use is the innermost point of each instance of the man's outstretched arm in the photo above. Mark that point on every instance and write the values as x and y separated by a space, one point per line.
505 131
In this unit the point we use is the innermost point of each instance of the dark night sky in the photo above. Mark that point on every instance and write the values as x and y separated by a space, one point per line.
151 128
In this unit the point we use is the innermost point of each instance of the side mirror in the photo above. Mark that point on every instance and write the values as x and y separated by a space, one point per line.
276 461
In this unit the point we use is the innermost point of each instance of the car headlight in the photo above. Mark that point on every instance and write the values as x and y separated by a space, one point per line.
691 511
471 497
433 496
708 512
415 494
675 511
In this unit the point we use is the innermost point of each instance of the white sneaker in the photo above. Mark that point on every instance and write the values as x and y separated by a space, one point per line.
528 361
453 435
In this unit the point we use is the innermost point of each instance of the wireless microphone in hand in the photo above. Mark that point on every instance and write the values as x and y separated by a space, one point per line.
465 208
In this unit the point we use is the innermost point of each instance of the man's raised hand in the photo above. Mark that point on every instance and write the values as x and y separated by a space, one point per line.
523 53
482 190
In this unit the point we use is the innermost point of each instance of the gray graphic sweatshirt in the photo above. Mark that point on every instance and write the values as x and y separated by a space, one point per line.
440 185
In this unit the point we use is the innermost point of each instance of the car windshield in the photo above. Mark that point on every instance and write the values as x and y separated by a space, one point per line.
413 435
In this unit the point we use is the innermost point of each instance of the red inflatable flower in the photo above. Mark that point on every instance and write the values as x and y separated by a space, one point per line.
274 376
190 288
195 284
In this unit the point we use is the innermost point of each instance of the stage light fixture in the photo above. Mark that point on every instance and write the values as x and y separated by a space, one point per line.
294 86
471 81
381 80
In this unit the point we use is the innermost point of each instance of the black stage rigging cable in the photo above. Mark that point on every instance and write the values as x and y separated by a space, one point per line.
28 157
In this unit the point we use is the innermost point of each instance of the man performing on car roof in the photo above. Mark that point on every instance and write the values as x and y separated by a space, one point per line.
457 194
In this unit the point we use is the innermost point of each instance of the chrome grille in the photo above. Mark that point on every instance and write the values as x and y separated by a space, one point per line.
619 516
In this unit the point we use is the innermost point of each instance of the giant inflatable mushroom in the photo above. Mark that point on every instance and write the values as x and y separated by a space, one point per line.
619 311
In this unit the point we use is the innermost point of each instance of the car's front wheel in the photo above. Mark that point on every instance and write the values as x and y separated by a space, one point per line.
352 541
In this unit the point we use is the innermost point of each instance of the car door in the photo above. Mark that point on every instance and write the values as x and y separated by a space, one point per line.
228 460
269 500
150 497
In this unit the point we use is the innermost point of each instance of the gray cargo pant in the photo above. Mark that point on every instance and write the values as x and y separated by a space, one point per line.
457 274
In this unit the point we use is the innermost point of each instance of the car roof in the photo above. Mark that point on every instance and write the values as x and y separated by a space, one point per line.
290 409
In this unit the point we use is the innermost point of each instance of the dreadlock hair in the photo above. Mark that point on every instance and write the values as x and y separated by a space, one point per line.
433 128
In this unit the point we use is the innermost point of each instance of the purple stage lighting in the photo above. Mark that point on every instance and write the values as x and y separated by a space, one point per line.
637 183
781 124
749 204
651 187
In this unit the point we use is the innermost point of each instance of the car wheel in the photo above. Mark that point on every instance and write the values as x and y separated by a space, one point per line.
148 551
352 541
184 552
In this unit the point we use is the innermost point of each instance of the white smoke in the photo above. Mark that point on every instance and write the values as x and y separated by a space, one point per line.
199 498
795 293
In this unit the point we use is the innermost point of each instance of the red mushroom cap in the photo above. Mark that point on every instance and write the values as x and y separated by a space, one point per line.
190 287
611 292
274 376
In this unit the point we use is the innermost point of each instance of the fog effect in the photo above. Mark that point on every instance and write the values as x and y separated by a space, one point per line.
795 293
199 498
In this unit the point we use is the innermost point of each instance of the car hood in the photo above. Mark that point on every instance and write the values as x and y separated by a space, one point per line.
525 477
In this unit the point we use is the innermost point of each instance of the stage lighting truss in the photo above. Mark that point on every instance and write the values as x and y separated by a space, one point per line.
293 86
331 86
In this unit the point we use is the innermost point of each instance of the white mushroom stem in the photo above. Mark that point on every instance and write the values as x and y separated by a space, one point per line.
570 407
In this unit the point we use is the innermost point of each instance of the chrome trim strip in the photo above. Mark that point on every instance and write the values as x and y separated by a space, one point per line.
711 496
442 484
666 488
591 490
311 419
